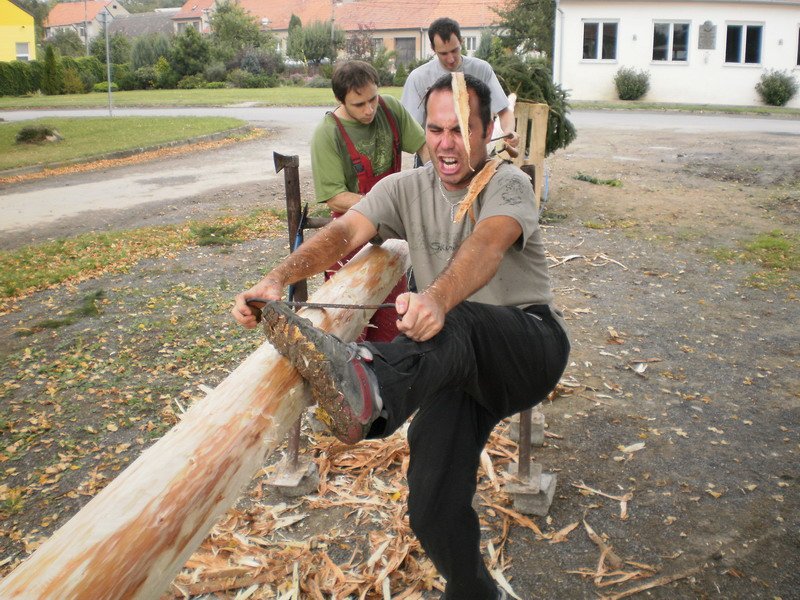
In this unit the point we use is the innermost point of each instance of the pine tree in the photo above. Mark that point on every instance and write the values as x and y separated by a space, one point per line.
51 82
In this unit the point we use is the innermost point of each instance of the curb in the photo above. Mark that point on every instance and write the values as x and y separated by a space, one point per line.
209 137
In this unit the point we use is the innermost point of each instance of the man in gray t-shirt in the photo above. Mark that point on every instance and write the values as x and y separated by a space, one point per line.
445 38
479 343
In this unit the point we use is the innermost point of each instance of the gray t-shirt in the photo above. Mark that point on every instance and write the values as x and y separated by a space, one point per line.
413 206
424 76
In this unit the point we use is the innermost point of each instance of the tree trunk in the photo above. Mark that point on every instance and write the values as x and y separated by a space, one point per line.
133 538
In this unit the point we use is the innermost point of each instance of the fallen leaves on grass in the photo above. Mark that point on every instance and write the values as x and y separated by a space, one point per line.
148 155
95 254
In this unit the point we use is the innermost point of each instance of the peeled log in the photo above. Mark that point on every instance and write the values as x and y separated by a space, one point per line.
133 538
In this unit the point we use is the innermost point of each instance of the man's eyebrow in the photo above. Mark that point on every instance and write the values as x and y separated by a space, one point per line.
429 125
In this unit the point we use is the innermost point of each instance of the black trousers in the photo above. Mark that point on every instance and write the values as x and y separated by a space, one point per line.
487 363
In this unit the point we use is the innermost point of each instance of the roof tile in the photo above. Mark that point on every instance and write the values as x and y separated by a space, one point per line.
377 14
71 13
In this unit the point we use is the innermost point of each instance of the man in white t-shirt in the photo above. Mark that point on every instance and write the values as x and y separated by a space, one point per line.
445 37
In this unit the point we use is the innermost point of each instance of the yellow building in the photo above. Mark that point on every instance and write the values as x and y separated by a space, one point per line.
17 33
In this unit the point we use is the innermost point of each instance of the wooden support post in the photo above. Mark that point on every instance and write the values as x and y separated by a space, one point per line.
133 538
524 469
291 180
532 129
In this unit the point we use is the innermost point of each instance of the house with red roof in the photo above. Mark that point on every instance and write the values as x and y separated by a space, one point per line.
86 18
400 29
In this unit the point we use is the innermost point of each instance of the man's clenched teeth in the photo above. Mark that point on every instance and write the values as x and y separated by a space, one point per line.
448 165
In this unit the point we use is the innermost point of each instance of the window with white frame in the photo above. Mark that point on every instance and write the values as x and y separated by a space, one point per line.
23 51
377 45
671 42
600 40
470 43
798 46
743 44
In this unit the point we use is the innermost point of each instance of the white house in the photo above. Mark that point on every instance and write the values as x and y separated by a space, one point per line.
703 51
86 18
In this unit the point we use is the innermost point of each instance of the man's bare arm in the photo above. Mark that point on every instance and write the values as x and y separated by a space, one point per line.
508 124
342 201
328 245
471 267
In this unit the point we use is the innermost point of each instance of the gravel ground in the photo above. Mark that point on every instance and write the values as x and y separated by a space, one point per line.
683 391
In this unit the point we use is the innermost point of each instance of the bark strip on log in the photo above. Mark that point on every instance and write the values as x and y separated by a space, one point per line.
133 538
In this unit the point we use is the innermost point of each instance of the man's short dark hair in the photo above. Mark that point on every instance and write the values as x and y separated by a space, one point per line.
352 75
445 82
444 28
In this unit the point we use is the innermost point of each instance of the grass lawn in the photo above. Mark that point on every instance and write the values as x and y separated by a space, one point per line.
92 254
280 96
94 136
299 96
697 108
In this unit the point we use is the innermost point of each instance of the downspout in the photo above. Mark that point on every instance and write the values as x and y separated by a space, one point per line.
559 46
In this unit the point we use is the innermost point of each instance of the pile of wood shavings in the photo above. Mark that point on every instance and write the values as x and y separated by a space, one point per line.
255 553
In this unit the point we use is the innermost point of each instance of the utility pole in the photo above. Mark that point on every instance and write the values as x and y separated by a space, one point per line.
85 27
106 15
333 6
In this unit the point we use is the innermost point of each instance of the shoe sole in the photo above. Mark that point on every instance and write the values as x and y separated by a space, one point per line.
297 340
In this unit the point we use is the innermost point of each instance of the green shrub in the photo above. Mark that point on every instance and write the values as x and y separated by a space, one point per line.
214 85
190 53
295 79
400 75
103 87
776 88
631 83
251 61
73 84
192 82
166 77
215 72
90 67
88 70
242 79
148 48
259 61
32 134
318 82
145 77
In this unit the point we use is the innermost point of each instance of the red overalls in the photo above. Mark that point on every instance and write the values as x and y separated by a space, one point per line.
382 325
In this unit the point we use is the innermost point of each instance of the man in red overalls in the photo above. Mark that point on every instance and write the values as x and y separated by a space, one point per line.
357 145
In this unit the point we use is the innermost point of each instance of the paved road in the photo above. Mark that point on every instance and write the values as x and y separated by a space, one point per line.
307 117
39 203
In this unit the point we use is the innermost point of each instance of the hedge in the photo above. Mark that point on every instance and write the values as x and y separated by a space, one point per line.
18 78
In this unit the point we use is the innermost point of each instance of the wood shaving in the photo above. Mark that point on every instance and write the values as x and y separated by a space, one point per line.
476 186
461 101
370 552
